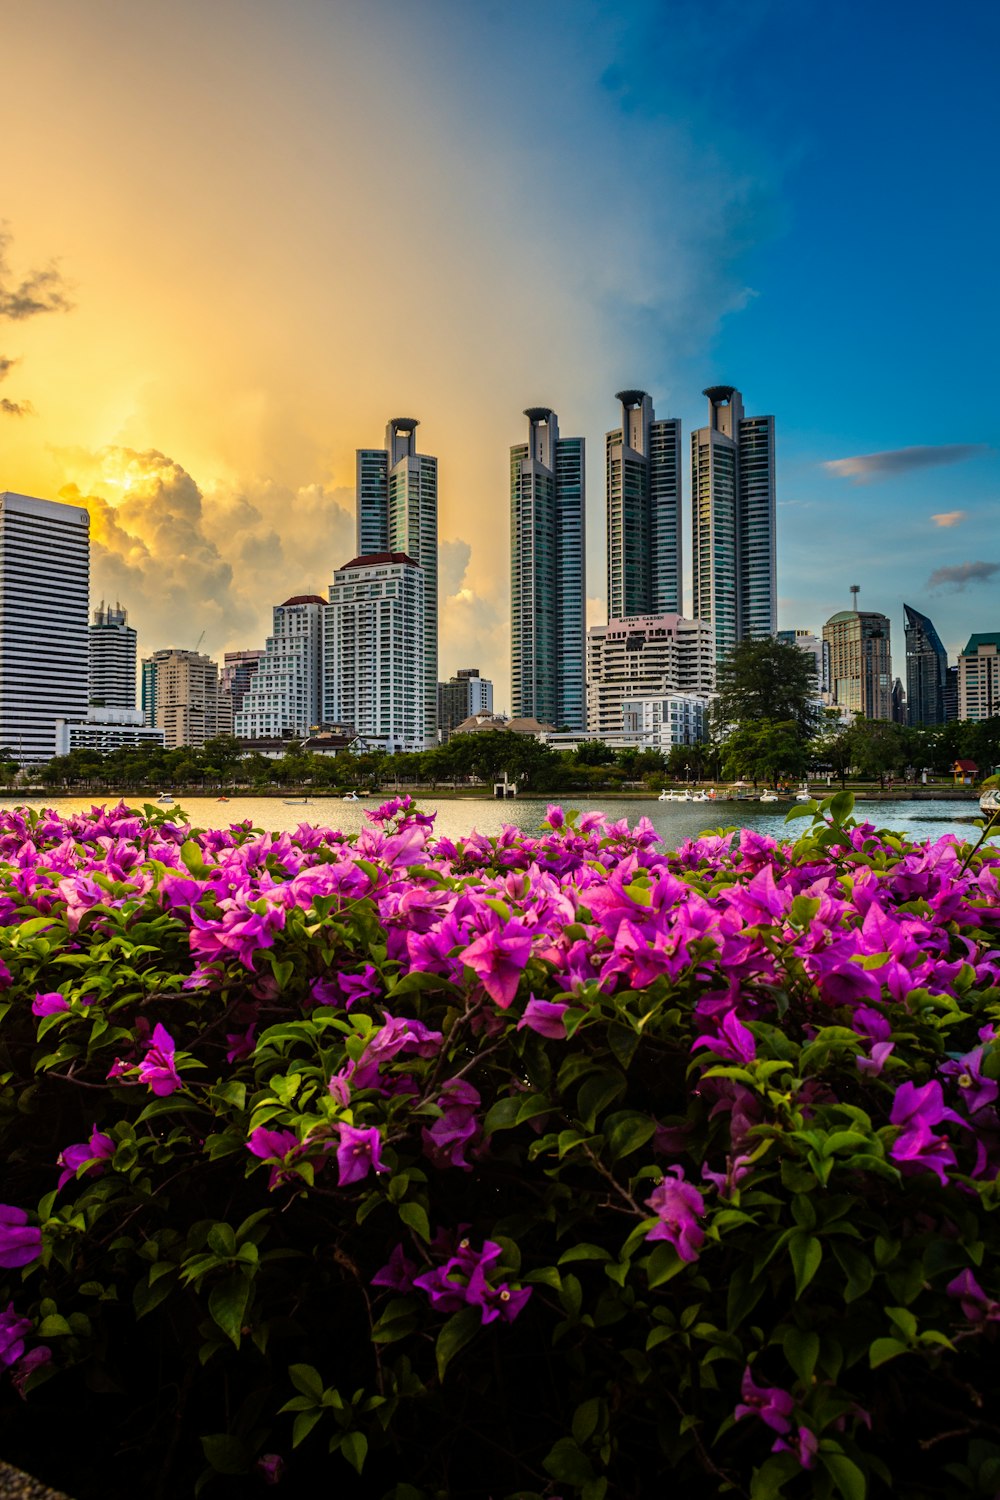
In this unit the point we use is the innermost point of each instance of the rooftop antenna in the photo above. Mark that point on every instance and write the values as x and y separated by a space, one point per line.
855 591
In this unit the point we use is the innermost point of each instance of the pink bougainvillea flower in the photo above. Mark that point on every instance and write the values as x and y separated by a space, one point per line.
20 1242
157 1069
397 1273
805 1447
276 1146
32 1361
12 1331
545 1017
976 1305
49 1004
446 1140
271 1467
241 1043
734 1041
978 1091
498 959
678 1206
96 1151
768 1402
359 1152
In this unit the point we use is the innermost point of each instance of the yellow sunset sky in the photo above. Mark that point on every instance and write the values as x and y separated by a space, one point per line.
279 225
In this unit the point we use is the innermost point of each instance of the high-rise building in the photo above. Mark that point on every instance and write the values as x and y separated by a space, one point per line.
732 504
645 656
547 573
238 671
372 671
643 469
860 662
397 505
112 645
462 696
819 650
979 677
284 697
44 599
180 695
926 670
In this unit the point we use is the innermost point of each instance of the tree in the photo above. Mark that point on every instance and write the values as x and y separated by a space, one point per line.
766 751
766 680
876 747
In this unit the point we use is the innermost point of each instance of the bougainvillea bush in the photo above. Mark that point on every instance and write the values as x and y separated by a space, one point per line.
523 1166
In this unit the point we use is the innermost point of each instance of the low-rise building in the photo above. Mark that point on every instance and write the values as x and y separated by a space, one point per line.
106 729
663 721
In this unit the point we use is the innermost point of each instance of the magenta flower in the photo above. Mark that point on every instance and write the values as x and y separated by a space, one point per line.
40 1355
917 1147
20 1242
49 1004
274 1146
445 1141
359 1152
462 1281
241 1043
545 1017
12 1331
96 1151
977 1091
805 1447
498 958
270 1466
976 1305
397 1273
678 1206
157 1068
734 1042
768 1402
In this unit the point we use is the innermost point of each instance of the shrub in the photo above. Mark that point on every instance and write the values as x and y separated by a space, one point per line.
508 1167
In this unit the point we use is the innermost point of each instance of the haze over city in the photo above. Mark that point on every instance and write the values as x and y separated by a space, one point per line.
241 237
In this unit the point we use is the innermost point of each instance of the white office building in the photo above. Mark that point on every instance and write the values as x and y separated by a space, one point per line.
660 722
105 730
113 658
646 656
44 600
373 674
284 695
979 677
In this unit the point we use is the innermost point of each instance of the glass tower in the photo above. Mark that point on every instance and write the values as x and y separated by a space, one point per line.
643 466
547 585
397 502
732 488
926 670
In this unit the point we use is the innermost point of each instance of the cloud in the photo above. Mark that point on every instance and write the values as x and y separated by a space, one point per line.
949 517
453 563
864 468
16 408
960 574
39 291
6 365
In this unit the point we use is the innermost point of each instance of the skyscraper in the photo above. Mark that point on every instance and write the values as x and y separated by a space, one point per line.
180 695
643 465
372 675
397 501
547 573
283 696
860 662
44 598
926 670
979 676
238 671
732 503
112 646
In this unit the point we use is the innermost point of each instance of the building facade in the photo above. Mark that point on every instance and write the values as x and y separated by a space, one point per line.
646 656
113 658
644 492
463 695
926 670
661 721
979 677
372 673
397 511
284 694
860 662
733 518
105 730
238 671
44 602
548 573
819 650
180 695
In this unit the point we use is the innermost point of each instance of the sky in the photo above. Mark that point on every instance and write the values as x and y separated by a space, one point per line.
238 237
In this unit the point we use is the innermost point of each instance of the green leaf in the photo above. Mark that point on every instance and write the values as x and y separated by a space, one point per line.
583 1252
307 1380
627 1131
354 1447
904 1321
801 1346
567 1464
806 1253
227 1304
503 1114
53 1327
459 1330
846 1475
414 1216
225 1453
222 1240
882 1350
585 1419
192 857
304 1424
662 1265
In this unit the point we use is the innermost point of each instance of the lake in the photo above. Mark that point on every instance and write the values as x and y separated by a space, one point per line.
455 818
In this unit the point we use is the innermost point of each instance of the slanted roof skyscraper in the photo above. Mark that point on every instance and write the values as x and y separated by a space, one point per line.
926 670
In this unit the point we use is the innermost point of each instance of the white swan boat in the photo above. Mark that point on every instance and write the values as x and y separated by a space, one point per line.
769 797
989 801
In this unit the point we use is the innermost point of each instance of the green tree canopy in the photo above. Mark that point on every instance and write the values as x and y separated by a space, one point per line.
766 680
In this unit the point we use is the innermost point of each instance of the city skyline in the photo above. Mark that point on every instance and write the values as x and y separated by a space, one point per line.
211 433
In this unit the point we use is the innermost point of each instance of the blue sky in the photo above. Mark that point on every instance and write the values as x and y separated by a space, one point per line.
281 225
